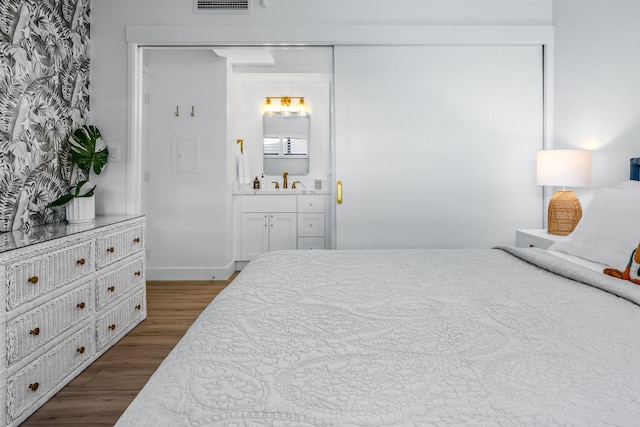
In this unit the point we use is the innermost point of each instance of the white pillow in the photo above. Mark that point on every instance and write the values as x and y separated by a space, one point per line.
609 229
629 185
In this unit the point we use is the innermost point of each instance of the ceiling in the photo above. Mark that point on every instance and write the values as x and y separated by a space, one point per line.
278 59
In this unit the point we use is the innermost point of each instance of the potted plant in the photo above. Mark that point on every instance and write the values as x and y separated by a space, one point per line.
88 153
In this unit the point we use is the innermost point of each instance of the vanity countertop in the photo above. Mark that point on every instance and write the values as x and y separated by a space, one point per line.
281 192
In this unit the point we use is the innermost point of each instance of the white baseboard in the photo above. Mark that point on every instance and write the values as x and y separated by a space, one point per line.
240 265
190 273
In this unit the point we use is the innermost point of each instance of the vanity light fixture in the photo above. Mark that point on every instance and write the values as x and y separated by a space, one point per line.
566 168
285 105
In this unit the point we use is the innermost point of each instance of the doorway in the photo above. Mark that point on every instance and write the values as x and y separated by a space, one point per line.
197 103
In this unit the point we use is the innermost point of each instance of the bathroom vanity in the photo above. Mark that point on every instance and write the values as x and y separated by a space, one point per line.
280 215
276 220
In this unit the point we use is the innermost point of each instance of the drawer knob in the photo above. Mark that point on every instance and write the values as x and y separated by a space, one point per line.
111 249
112 327
81 261
34 332
137 273
33 279
111 288
138 307
136 240
34 386
80 350
80 305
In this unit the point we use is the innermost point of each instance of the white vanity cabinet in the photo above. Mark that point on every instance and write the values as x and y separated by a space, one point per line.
270 222
69 292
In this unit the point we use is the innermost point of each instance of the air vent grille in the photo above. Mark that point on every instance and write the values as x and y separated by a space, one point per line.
222 6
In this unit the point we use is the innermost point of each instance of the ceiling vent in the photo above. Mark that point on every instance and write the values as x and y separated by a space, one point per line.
222 6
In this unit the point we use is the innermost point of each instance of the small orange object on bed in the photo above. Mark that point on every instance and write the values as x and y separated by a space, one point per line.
631 272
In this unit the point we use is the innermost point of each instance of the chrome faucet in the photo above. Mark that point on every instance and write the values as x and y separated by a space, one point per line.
284 179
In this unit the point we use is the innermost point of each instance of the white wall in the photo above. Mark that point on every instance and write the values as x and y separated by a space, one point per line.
186 210
109 56
597 83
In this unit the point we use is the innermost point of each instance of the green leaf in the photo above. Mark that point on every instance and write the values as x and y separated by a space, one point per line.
89 193
74 191
100 159
88 150
78 186
60 201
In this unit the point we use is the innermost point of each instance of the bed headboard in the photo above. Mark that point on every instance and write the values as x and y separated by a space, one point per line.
635 169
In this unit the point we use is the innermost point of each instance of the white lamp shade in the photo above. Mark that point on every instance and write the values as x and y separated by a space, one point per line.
566 168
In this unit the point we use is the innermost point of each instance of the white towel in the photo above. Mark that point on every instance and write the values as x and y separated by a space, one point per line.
243 166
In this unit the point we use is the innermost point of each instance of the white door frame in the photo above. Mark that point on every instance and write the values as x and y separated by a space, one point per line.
140 36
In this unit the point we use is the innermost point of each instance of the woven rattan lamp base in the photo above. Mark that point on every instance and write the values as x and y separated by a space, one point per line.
564 213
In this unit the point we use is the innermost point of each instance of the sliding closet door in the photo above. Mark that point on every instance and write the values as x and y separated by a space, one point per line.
436 145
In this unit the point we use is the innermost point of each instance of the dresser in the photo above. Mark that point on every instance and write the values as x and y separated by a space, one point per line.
69 292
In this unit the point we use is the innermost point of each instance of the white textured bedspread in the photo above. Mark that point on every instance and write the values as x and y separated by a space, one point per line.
405 338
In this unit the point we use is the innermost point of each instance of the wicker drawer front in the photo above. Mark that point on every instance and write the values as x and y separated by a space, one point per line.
111 324
38 378
39 326
33 277
118 245
118 282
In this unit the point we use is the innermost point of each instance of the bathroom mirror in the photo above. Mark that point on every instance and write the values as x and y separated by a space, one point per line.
286 143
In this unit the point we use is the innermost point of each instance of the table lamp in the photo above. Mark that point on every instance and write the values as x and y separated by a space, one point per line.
564 168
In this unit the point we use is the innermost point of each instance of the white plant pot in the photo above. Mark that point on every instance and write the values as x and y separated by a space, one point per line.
81 210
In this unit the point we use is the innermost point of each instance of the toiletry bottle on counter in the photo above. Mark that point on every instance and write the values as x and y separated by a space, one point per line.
263 182
256 184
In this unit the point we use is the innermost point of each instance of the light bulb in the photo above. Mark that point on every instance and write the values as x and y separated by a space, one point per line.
267 107
301 107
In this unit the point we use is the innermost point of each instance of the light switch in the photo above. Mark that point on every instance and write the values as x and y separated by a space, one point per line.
114 153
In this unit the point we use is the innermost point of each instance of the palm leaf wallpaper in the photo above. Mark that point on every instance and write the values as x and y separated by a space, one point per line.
44 96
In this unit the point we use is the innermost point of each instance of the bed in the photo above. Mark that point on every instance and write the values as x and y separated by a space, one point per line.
503 336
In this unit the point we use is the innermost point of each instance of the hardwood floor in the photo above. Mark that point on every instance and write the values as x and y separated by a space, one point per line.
101 393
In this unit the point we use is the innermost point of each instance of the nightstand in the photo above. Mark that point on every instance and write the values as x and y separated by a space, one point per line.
538 238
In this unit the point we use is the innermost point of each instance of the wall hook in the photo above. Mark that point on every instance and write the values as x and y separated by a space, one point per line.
193 111
177 111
